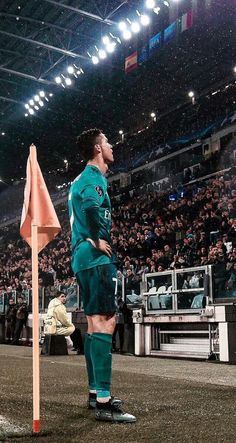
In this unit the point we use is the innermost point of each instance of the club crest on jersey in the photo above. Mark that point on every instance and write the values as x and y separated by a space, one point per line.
99 190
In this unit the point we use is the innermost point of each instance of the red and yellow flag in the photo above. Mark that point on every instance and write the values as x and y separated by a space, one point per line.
131 62
37 208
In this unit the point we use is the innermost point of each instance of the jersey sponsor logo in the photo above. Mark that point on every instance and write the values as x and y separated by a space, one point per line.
99 190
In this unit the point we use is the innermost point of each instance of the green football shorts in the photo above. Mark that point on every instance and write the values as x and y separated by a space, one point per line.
98 287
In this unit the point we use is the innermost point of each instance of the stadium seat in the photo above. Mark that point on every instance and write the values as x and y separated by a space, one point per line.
198 302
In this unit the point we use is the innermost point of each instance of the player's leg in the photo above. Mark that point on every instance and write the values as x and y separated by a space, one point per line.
103 325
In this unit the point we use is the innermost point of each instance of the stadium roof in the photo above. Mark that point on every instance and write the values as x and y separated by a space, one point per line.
39 39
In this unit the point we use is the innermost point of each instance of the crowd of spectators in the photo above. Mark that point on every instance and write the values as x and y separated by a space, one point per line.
150 233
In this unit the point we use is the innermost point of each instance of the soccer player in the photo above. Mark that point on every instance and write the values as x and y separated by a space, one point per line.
94 265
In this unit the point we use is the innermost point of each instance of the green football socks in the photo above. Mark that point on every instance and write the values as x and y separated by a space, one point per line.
100 352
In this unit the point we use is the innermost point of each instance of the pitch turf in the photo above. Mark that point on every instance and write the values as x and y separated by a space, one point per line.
174 400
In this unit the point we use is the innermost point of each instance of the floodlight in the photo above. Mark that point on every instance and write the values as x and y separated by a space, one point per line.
105 40
36 98
41 103
68 81
95 59
36 107
26 106
135 26
111 47
122 26
102 54
58 80
191 94
42 94
127 34
31 102
157 10
31 111
70 70
150 4
145 20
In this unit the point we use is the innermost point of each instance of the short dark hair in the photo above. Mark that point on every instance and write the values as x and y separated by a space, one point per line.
59 293
86 141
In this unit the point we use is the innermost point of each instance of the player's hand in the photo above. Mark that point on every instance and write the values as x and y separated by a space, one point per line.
103 246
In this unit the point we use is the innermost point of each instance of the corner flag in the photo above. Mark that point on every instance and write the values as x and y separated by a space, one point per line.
37 207
39 225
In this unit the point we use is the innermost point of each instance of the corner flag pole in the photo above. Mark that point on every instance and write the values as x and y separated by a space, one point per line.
35 302
39 225
35 299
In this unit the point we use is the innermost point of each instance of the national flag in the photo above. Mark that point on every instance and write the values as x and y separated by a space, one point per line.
37 208
155 42
170 32
185 22
131 62
143 55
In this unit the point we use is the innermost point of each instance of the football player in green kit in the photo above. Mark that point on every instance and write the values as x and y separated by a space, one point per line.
94 265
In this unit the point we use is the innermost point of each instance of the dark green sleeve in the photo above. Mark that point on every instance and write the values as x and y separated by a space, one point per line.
92 199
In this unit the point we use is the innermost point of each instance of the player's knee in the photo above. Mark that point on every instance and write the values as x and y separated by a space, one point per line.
104 323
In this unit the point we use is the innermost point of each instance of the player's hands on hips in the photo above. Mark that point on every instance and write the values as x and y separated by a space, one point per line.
103 246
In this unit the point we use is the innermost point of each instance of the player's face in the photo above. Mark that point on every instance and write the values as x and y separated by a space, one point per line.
107 151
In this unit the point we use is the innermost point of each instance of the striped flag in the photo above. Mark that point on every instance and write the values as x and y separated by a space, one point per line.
186 21
131 62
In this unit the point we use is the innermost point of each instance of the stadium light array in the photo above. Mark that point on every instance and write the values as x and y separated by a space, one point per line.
192 96
37 102
110 41
153 115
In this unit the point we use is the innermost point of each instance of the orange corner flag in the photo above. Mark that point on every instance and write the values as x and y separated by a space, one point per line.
37 208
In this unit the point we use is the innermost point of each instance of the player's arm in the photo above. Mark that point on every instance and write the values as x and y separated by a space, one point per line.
93 196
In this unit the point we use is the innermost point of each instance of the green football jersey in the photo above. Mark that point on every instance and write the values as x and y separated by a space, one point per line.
90 217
